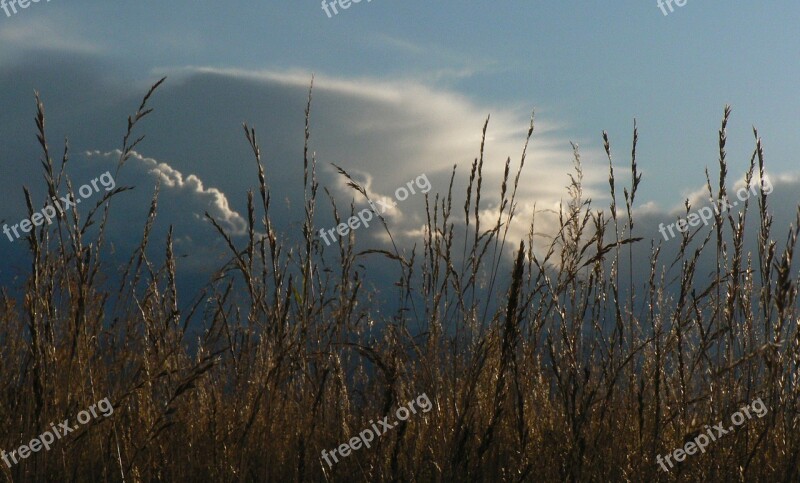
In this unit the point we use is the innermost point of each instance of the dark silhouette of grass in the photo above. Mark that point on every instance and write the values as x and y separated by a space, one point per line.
565 381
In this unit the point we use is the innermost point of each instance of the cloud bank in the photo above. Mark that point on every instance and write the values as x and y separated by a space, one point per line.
384 132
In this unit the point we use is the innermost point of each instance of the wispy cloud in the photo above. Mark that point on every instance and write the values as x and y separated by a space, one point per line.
39 33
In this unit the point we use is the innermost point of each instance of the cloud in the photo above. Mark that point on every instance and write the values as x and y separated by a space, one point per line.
385 132
184 197
30 34
433 63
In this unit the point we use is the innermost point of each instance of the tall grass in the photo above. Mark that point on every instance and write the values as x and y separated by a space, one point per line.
573 376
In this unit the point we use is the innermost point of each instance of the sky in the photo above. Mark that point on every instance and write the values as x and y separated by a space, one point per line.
400 89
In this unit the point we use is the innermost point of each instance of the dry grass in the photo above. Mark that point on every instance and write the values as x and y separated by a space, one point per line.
571 379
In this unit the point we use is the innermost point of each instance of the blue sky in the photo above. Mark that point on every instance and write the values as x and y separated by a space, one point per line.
404 87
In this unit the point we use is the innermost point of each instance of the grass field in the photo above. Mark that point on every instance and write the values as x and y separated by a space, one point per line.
573 377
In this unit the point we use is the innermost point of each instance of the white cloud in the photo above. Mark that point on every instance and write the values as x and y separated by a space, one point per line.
181 196
386 132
